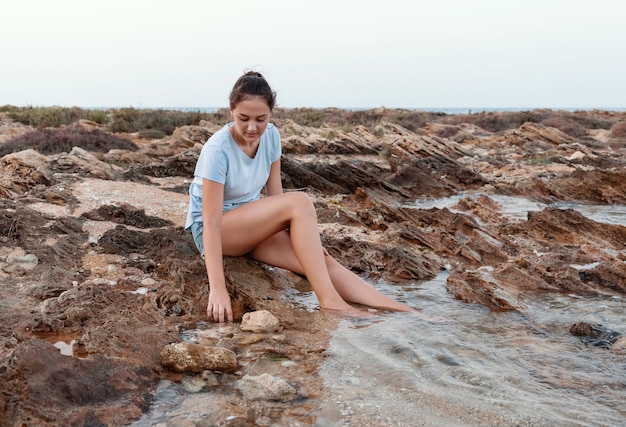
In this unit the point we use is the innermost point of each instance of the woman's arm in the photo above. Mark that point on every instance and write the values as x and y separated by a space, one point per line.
274 184
219 306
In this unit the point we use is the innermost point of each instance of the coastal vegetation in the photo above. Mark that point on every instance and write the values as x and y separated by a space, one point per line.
159 123
58 140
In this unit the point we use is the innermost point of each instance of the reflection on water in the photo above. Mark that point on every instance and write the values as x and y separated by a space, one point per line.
477 367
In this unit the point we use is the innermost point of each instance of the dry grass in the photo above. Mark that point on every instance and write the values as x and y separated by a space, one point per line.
53 141
154 123
565 125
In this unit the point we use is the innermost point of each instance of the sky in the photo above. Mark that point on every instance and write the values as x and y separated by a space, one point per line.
323 53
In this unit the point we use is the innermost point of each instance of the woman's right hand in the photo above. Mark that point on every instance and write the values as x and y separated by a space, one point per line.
219 308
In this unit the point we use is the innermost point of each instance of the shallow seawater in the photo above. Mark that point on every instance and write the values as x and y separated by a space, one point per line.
478 366
518 207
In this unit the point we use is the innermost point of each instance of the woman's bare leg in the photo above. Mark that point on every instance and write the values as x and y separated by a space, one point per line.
246 227
277 251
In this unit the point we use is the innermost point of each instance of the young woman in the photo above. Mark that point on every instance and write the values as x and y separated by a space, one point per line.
228 217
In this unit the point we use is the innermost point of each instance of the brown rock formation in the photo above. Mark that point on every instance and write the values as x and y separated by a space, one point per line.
112 269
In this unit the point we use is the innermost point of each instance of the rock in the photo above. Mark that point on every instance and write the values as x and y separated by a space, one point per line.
17 263
98 390
265 387
190 135
148 282
619 346
206 379
259 322
480 287
535 132
188 357
576 155
94 253
25 259
22 170
87 163
596 335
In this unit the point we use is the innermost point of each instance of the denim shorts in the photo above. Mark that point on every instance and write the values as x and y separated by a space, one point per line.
196 232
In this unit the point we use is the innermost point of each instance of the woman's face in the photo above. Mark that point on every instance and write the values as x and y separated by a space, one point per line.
251 117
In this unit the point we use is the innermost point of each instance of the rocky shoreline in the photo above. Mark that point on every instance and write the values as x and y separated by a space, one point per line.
93 252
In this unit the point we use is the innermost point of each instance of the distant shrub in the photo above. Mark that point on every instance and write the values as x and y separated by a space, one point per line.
367 118
590 120
125 120
522 117
448 131
52 141
346 119
138 120
565 125
152 134
378 131
496 121
413 120
8 109
463 136
310 116
619 130
52 116
98 116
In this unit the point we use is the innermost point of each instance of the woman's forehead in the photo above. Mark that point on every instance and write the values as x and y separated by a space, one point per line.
252 106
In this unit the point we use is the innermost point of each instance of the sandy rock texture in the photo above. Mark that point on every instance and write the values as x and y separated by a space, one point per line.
93 253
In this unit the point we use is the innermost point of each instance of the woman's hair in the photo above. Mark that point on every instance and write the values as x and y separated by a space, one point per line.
252 84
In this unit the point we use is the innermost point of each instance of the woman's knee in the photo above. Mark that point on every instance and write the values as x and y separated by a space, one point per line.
301 202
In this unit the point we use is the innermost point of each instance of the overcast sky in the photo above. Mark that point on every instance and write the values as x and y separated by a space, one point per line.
324 53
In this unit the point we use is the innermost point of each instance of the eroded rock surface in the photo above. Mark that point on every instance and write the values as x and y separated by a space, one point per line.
95 255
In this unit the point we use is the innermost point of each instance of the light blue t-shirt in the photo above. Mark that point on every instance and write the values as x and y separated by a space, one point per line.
221 160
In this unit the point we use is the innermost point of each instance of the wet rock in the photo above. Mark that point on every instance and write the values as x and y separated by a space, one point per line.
480 287
197 383
596 335
69 390
259 322
188 357
266 387
619 346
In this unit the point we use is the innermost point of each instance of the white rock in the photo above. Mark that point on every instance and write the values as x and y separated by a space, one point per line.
265 387
259 322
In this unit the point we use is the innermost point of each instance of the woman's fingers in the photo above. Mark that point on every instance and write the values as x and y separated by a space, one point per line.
220 314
